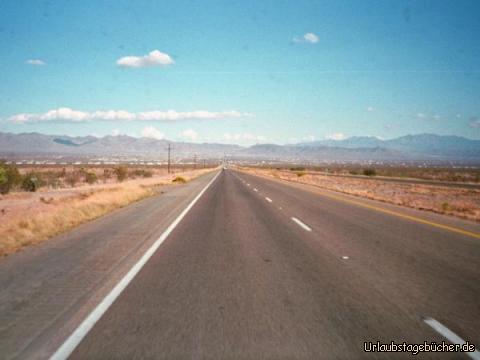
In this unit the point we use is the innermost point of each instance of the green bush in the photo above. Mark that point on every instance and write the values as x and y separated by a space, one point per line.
300 174
369 172
31 182
3 180
90 178
121 173
9 177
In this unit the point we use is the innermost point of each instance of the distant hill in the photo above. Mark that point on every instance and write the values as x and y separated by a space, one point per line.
35 143
409 147
416 146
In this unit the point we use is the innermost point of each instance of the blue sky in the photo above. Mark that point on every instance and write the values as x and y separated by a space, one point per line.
240 72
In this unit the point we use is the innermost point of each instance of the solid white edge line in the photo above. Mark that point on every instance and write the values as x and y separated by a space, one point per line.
64 351
268 199
304 226
450 336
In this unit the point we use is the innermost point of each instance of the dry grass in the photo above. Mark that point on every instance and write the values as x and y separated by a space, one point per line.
463 203
30 219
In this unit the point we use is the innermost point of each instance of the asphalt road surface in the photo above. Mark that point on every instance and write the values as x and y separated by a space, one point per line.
238 278
259 269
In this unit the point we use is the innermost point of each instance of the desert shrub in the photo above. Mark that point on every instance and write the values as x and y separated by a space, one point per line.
369 172
46 200
179 180
9 177
107 174
31 182
141 172
73 178
353 172
90 178
121 172
298 168
300 174
445 207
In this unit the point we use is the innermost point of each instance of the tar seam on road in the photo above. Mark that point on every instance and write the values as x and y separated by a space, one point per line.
303 225
66 349
450 336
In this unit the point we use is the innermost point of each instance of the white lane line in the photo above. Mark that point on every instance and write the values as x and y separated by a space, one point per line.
450 336
255 189
80 332
268 199
304 226
248 184
345 257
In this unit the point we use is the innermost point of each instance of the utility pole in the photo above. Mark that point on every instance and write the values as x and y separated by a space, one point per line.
194 161
204 164
168 166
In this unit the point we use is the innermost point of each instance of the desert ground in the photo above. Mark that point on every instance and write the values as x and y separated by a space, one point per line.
69 197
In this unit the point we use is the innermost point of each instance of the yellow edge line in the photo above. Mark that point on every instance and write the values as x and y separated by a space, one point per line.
394 213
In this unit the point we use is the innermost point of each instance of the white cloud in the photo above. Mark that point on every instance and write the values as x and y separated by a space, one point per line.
152 133
154 58
70 115
189 134
335 136
370 109
308 138
308 37
311 38
425 116
115 132
244 138
36 62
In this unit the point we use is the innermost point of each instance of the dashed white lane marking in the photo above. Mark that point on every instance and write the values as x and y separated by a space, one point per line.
303 225
268 199
344 257
248 184
255 189
279 208
450 336
81 331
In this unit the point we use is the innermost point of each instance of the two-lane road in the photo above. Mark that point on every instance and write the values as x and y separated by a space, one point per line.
262 270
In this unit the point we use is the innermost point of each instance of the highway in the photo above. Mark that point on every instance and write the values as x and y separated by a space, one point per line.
259 269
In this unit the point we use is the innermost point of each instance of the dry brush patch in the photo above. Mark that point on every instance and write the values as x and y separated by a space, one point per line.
31 218
463 203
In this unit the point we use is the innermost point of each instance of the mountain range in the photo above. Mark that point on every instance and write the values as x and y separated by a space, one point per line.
410 147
